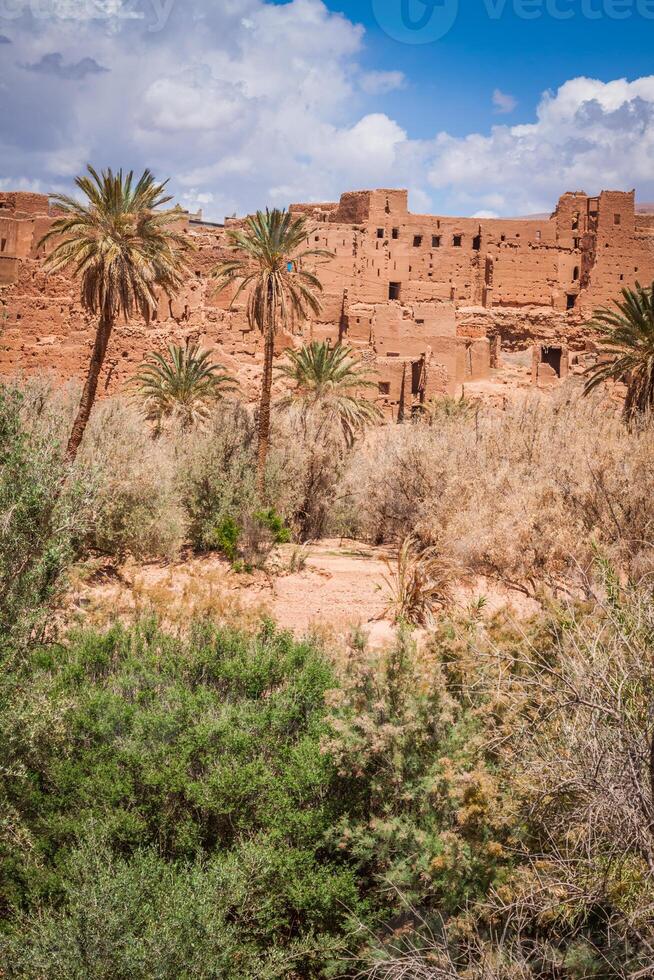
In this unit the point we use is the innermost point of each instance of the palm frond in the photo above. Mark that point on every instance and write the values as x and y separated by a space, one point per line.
181 385
330 381
121 241
418 583
268 264
626 348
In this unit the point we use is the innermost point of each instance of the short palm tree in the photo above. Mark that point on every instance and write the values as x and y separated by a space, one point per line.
330 381
269 252
125 247
627 342
182 385
419 583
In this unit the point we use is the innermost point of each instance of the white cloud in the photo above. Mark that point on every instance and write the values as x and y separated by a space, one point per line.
10 184
246 102
382 82
503 102
194 100
368 147
197 197
588 135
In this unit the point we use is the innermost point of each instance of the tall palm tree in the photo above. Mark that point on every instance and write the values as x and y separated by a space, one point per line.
330 381
123 245
268 264
182 385
627 341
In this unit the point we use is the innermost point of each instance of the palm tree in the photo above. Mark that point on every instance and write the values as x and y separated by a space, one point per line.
124 246
182 385
328 381
627 341
269 253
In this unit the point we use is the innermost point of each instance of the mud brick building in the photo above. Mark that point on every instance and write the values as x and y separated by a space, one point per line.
431 302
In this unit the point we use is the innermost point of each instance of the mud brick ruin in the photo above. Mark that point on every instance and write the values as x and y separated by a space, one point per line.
433 303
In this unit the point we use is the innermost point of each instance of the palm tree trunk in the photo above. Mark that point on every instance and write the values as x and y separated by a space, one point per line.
264 408
102 336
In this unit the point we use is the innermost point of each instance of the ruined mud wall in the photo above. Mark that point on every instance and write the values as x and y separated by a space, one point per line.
429 301
45 331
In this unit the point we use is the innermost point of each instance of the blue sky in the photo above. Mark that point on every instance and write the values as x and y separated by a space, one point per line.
249 102
523 57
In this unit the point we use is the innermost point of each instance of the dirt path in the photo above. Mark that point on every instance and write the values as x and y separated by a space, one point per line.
340 585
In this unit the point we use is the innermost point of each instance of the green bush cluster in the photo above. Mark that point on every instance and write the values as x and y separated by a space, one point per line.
271 520
226 538
266 529
220 805
223 804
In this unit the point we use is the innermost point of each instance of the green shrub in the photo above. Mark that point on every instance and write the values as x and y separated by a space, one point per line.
274 523
41 520
193 765
145 917
430 824
231 805
224 801
218 475
227 536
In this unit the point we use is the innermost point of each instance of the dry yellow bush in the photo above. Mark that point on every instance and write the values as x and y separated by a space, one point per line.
526 495
136 507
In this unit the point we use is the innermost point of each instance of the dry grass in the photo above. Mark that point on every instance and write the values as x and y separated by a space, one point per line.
526 496
176 595
147 495
136 507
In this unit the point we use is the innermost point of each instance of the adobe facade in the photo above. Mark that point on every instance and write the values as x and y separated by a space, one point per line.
433 303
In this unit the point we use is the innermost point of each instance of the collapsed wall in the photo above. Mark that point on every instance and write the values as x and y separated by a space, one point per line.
430 301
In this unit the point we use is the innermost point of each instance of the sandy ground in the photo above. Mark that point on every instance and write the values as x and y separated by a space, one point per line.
340 586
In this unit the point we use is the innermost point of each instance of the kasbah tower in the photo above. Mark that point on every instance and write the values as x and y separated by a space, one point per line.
437 305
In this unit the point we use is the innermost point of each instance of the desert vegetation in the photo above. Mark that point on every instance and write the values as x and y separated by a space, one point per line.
331 383
527 496
213 801
269 266
181 385
626 346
